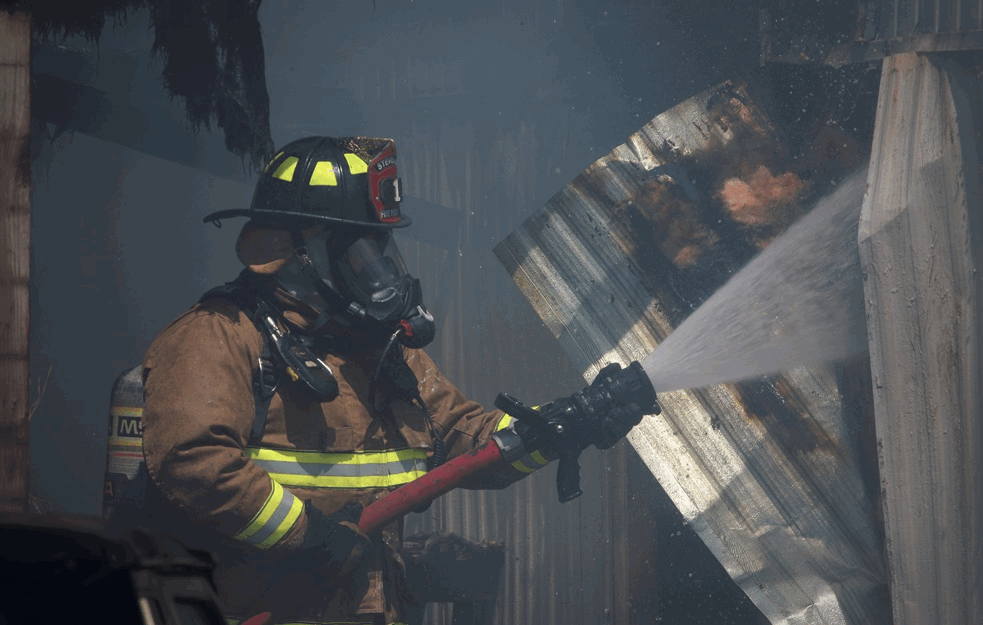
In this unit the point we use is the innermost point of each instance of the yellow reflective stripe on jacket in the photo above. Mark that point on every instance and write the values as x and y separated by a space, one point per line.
278 514
358 469
531 461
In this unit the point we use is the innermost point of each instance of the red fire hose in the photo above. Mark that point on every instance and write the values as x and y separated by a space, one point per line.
427 488
612 390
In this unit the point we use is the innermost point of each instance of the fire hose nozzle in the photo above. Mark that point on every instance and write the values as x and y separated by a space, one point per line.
630 387
561 428
600 414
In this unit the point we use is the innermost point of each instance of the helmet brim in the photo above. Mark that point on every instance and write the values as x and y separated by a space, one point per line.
297 217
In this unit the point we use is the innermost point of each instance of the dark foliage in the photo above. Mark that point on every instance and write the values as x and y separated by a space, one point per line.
212 52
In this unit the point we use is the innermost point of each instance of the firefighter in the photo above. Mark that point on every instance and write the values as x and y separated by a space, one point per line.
282 403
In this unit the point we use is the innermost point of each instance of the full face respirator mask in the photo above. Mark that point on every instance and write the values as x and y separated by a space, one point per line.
373 275
357 279
339 199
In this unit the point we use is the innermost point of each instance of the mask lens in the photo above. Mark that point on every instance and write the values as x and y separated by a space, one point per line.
391 250
372 268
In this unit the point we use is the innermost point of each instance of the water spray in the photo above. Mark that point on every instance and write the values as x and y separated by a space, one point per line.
797 303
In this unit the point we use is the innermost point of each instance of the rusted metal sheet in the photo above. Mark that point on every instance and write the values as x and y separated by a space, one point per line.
921 242
774 476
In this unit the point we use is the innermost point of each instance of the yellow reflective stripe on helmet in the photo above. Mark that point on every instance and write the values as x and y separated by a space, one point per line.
357 469
355 163
285 170
323 175
278 514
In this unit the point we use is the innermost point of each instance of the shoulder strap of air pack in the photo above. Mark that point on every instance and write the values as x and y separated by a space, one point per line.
266 376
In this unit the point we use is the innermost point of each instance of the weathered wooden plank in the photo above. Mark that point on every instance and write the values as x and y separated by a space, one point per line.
921 241
15 232
766 473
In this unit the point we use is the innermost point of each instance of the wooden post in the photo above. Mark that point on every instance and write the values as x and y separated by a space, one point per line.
921 243
15 164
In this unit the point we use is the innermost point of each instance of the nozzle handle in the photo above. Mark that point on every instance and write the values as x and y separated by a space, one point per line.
519 411
568 476
550 426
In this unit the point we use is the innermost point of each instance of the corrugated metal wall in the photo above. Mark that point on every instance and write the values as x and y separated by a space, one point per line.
561 559
840 32
894 19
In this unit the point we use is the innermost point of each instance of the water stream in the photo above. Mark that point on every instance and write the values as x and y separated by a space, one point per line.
799 302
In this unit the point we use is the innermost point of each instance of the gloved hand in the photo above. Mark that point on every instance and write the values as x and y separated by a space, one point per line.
606 427
599 415
336 540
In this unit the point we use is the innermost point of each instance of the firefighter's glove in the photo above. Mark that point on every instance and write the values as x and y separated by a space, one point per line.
599 415
336 539
614 403
614 426
614 423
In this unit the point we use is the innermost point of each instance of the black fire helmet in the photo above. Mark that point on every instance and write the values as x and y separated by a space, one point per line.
348 181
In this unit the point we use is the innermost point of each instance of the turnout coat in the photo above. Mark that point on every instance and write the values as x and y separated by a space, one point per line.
247 504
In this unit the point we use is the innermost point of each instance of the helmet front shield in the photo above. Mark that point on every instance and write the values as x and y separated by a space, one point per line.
384 191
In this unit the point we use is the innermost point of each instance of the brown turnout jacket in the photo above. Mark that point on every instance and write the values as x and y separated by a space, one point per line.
246 504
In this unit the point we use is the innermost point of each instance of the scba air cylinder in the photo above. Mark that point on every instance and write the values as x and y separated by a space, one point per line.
126 473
